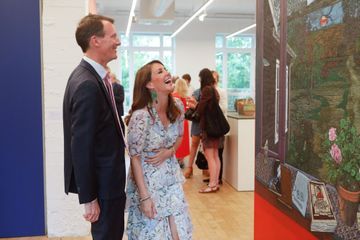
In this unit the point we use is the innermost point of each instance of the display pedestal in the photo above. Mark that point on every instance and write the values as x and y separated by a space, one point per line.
239 156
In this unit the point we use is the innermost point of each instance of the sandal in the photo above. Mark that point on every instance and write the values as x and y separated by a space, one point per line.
209 189
188 172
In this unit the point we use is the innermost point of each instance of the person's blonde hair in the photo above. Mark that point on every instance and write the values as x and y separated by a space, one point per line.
181 87
216 76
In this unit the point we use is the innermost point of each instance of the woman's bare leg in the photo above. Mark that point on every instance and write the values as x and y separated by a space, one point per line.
173 229
195 140
213 165
218 164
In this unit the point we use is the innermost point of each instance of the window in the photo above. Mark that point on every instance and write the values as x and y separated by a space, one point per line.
142 40
235 63
277 103
287 100
138 49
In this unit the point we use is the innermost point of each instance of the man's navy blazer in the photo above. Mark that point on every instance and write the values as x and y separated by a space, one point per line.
94 162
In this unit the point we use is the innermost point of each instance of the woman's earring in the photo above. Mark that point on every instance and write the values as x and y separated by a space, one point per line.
154 96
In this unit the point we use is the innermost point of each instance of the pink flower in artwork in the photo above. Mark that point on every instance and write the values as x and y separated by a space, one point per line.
332 134
336 153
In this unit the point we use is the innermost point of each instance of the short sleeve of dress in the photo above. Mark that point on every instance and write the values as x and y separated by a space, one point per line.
180 120
137 131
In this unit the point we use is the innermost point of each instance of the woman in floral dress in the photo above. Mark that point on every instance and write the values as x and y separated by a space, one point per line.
157 206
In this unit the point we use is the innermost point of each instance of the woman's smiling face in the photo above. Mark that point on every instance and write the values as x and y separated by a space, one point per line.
161 79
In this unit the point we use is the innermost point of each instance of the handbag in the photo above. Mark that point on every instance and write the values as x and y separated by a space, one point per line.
201 161
192 115
216 124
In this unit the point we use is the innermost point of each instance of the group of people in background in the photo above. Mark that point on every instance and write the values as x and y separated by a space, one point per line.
157 140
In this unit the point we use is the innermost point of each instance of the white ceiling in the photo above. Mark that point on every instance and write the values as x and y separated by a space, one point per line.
183 8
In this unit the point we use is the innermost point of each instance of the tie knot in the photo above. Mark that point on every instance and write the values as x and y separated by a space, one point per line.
107 81
107 77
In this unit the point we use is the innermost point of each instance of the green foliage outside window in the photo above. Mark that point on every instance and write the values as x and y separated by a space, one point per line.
233 63
239 70
167 60
219 41
124 40
124 69
139 49
167 41
143 57
219 63
146 40
239 42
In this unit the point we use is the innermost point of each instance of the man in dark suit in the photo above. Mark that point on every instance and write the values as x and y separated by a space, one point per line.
94 161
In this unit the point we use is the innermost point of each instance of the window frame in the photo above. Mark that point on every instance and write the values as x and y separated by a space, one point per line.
223 81
131 50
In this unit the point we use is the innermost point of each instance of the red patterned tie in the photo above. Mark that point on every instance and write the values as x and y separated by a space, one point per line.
107 81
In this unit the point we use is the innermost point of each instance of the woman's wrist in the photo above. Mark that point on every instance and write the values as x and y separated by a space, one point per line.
172 149
143 194
144 199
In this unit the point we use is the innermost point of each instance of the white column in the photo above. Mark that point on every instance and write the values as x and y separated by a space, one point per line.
60 56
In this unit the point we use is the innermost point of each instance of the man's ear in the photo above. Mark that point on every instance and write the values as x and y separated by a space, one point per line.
94 41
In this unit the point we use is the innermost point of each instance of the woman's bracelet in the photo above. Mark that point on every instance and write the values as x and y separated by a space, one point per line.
144 199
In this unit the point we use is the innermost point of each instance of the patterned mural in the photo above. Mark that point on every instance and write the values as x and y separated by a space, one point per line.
324 77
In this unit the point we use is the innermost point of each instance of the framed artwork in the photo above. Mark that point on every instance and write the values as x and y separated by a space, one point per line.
308 71
300 192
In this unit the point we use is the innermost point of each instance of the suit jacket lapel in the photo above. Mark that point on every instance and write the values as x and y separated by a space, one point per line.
106 94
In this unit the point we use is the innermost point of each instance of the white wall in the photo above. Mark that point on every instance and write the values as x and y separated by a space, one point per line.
195 45
60 55
195 50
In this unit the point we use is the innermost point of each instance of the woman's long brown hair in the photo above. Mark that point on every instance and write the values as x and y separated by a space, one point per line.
142 96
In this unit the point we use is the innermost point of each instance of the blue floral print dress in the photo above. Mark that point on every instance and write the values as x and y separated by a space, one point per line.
146 134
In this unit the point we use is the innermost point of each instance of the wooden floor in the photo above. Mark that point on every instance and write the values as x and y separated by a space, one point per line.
227 214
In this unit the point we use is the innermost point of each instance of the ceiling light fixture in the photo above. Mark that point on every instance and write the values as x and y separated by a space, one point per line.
241 31
192 18
131 15
202 16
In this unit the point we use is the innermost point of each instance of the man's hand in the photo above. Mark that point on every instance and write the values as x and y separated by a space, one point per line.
92 211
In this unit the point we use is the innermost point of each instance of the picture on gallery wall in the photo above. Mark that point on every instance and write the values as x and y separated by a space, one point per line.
300 192
322 214
275 181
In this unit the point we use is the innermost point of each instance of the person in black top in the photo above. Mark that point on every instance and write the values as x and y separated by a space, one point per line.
118 94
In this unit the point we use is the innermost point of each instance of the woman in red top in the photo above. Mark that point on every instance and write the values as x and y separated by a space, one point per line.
180 92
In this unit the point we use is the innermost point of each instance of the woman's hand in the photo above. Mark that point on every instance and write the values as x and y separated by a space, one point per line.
191 102
160 156
148 208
